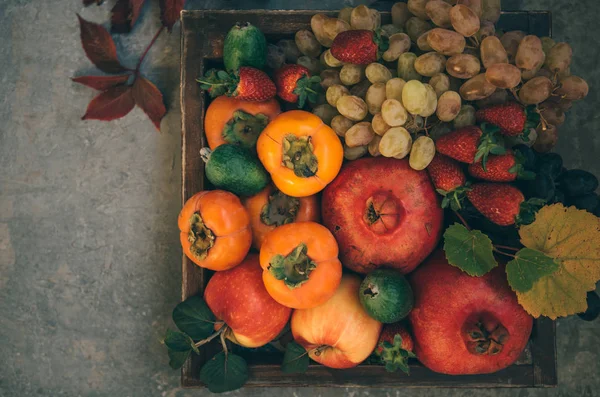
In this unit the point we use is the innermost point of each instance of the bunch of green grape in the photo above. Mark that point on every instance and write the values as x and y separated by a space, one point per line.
444 61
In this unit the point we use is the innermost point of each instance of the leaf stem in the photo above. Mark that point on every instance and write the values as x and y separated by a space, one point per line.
311 90
137 68
464 222
223 342
213 336
502 252
209 83
506 247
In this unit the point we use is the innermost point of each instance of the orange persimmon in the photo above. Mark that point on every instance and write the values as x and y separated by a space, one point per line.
215 230
301 153
230 120
271 208
300 264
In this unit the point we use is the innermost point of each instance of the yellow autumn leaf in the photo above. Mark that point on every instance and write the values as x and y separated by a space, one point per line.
572 237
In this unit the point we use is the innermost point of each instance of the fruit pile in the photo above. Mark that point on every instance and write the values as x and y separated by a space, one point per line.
457 132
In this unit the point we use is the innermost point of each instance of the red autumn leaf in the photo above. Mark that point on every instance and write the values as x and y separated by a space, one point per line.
170 11
102 83
99 46
111 104
149 99
125 13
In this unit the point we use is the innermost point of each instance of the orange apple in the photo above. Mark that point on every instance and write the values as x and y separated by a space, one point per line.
239 298
338 333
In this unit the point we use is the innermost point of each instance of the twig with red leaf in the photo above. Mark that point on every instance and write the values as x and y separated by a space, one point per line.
127 87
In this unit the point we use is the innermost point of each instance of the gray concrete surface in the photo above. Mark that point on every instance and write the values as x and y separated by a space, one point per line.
89 251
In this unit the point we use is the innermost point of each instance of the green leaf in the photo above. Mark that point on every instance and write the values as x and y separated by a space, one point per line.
470 251
177 359
194 318
295 359
178 341
224 372
223 75
528 267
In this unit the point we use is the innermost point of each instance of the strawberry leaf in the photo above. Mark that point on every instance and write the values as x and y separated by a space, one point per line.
469 250
124 15
170 11
527 268
99 46
489 143
111 104
149 99
101 83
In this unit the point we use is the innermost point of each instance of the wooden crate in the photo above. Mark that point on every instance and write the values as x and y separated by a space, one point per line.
202 41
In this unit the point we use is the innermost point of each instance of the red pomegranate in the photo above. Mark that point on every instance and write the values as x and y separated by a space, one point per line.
382 212
465 325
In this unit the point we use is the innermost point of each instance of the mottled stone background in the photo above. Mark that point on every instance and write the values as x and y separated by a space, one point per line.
89 250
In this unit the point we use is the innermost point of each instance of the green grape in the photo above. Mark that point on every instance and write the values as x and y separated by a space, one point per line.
465 117
559 57
360 134
421 153
373 146
399 44
573 88
536 90
431 102
351 74
464 20
406 67
341 124
448 106
326 112
375 97
499 97
330 77
510 41
352 107
417 8
503 75
530 54
393 88
487 29
430 64
476 88
414 97
390 29
379 125
439 13
307 43
416 27
547 44
463 66
354 153
377 73
393 113
491 11
312 64
440 83
363 17
395 143
492 52
446 42
422 42
400 14
335 92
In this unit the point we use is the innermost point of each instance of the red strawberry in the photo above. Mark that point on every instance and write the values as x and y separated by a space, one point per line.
502 168
357 46
461 144
294 84
512 118
498 202
248 84
445 173
395 353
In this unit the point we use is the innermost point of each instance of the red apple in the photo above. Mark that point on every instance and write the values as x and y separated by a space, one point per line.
382 212
465 325
338 333
239 298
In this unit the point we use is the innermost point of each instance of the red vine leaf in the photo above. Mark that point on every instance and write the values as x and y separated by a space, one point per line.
99 46
102 83
111 104
125 14
170 11
149 99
